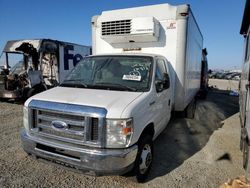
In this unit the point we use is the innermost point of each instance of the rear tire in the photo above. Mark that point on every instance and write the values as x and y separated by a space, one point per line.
144 158
4 100
190 110
203 94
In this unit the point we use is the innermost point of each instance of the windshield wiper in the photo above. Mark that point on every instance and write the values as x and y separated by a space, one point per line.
116 85
74 83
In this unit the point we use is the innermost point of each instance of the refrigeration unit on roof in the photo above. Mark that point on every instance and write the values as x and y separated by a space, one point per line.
140 29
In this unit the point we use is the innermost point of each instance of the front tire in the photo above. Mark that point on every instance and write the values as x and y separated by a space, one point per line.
144 158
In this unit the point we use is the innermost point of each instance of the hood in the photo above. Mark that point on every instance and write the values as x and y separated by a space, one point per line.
114 102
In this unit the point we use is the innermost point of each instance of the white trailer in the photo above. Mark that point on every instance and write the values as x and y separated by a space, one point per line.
169 31
105 115
31 66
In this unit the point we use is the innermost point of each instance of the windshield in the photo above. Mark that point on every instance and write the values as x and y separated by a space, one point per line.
17 68
128 73
11 58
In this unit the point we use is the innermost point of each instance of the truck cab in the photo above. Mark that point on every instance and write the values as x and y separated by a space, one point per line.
105 115
111 105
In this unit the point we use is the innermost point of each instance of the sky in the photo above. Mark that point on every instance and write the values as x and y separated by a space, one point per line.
65 20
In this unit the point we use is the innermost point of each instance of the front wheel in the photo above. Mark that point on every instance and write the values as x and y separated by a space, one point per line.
144 158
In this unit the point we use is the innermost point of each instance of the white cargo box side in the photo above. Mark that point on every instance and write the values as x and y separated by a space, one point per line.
179 40
188 63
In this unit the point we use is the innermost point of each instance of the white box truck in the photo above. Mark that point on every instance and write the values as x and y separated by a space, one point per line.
31 66
105 115
244 86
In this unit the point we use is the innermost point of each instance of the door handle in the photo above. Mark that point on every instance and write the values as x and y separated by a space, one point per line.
151 103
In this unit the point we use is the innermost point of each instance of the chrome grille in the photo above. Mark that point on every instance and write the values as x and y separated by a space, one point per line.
47 132
75 131
75 123
72 123
94 129
119 27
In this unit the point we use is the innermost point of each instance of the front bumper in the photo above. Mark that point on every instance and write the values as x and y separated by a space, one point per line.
89 160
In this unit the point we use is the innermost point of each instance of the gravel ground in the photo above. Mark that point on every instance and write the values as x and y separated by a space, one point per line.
187 153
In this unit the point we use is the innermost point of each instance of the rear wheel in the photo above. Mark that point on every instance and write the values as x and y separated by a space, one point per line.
190 110
4 100
144 158
245 154
203 94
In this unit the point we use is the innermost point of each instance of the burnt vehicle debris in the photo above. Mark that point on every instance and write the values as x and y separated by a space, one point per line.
28 67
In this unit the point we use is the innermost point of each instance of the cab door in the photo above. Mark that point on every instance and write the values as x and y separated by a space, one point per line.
162 103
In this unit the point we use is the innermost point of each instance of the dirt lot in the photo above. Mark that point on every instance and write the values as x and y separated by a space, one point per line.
203 152
224 84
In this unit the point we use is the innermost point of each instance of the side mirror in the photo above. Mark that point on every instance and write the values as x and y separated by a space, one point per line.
159 85
162 84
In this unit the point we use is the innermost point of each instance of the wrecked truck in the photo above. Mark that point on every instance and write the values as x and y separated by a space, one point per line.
28 67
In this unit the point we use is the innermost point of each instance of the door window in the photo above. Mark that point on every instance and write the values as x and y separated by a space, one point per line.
161 77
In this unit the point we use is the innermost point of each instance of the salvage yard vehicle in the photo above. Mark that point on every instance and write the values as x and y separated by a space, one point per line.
31 66
244 94
104 116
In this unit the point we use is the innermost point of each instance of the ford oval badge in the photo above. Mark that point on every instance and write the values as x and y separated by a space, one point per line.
59 125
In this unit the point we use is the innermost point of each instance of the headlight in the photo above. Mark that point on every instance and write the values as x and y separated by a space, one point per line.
118 132
26 118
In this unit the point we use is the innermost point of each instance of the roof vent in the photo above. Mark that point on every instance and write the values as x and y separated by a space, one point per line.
119 27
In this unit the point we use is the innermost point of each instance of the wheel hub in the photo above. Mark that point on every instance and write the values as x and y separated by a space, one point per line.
146 158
